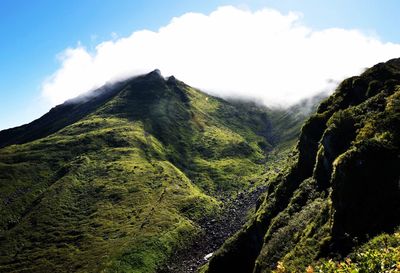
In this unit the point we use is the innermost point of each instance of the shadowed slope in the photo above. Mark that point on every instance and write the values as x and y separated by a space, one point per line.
342 190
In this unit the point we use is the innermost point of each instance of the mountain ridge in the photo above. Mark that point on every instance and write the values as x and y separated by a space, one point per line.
119 182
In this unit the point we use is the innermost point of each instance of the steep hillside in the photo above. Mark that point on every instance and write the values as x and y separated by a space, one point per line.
60 116
342 191
118 180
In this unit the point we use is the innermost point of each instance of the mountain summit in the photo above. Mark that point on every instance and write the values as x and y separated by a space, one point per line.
120 178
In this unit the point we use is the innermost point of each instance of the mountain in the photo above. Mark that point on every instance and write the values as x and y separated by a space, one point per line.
121 178
337 207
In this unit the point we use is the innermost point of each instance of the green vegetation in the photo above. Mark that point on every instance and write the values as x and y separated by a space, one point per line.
341 191
381 254
119 181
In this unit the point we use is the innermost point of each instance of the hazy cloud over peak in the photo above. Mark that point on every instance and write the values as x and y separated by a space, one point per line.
261 54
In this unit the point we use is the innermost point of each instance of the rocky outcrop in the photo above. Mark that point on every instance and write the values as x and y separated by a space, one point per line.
343 189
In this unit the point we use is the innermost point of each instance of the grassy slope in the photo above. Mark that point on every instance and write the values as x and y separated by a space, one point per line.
341 190
122 187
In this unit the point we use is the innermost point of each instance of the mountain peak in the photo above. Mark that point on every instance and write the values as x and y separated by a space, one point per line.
171 79
108 171
155 73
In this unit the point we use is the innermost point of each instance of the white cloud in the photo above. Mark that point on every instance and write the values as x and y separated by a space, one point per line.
230 52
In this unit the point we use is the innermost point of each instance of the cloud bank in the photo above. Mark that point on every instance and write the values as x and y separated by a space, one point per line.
231 52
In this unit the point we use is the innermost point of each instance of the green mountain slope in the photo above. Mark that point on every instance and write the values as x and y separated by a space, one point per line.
116 181
342 190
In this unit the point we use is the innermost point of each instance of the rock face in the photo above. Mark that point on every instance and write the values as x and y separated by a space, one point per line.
343 190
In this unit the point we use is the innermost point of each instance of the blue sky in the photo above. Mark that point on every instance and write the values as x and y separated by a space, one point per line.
33 33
